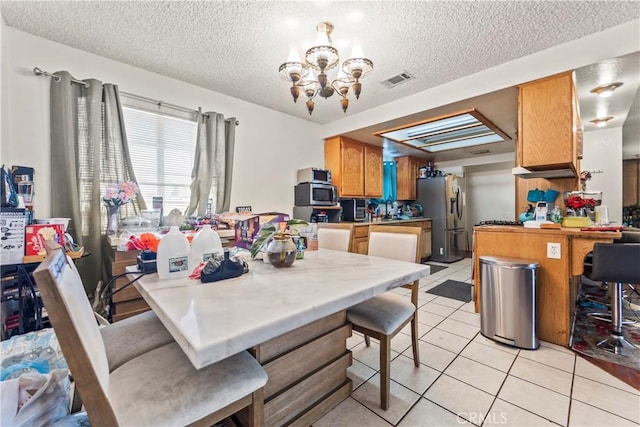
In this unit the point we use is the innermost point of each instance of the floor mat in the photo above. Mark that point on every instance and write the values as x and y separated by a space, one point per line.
435 267
460 291
591 299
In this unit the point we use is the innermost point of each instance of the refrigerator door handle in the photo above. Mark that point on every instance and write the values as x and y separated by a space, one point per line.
459 207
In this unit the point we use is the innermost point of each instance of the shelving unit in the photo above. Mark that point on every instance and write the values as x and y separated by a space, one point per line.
17 284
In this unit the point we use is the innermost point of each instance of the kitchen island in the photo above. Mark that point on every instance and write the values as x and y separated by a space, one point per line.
292 319
558 278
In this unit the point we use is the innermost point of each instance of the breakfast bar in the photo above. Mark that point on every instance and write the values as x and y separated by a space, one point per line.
558 277
292 319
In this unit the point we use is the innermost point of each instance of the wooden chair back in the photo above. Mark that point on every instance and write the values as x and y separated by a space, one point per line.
75 326
336 236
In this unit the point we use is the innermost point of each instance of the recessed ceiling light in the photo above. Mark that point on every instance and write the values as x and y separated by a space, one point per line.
606 90
601 121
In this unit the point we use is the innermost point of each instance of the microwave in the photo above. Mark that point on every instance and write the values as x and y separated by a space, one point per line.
354 209
322 176
316 194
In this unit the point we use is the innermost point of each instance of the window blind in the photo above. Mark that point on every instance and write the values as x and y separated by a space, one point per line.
162 152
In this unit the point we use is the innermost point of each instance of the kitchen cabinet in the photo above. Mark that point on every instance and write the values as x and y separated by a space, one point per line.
356 167
406 175
372 171
631 182
360 238
549 128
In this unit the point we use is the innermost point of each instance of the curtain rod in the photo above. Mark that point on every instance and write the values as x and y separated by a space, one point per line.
38 72
160 103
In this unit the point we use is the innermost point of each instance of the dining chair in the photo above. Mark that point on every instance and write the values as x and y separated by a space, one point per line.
159 387
336 236
383 316
130 337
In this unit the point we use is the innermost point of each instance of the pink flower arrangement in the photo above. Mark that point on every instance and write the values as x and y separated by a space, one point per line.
118 195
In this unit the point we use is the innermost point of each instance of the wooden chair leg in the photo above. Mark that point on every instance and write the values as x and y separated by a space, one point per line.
367 340
256 410
414 341
385 371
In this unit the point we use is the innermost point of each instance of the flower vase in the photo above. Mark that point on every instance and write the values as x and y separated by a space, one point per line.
113 218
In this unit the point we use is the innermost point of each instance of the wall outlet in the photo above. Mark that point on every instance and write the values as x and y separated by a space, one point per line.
553 250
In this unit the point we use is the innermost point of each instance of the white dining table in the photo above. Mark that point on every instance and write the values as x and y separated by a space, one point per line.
212 321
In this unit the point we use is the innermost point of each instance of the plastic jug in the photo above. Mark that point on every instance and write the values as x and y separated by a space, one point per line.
204 245
173 255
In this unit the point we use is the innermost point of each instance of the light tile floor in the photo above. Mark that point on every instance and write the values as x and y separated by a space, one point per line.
466 379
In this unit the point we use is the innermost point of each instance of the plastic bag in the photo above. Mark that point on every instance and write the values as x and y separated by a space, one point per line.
8 191
35 399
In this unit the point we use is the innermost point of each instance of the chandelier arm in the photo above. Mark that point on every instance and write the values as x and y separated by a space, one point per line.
323 58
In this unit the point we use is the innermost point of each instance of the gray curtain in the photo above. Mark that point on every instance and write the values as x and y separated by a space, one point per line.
213 163
88 151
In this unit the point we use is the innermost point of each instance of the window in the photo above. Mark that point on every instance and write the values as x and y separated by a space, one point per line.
162 150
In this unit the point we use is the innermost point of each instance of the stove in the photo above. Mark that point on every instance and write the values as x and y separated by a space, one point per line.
500 222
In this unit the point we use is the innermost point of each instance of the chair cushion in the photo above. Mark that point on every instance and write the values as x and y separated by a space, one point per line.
383 313
132 337
161 387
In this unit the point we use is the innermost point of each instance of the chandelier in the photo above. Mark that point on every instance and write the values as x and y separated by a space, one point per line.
322 58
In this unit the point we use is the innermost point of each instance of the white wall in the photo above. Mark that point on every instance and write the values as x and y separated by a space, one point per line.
270 146
3 83
602 151
491 192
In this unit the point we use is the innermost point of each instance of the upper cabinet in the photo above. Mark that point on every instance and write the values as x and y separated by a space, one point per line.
406 175
356 167
372 171
549 128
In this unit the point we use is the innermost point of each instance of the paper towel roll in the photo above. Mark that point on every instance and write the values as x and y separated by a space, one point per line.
602 214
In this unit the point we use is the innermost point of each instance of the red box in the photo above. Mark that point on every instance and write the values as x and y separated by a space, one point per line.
37 234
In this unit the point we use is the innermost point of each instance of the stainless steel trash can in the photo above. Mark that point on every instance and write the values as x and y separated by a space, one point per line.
508 301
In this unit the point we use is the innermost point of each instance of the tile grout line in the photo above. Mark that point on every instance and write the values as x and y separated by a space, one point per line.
573 379
501 385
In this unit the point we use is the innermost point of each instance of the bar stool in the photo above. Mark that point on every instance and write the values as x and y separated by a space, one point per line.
616 263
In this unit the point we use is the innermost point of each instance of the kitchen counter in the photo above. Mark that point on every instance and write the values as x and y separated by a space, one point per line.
360 238
391 221
558 278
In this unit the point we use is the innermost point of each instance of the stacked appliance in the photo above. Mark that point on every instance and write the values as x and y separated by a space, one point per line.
316 200
443 200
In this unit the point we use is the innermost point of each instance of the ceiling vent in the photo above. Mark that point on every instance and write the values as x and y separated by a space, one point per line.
397 79
477 152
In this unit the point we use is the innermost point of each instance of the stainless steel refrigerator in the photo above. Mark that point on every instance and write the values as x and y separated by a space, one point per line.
443 200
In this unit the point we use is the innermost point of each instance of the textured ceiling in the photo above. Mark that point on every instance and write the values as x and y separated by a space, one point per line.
236 47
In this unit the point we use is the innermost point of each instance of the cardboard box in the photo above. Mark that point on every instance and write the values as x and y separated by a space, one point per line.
12 225
247 227
274 217
37 234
